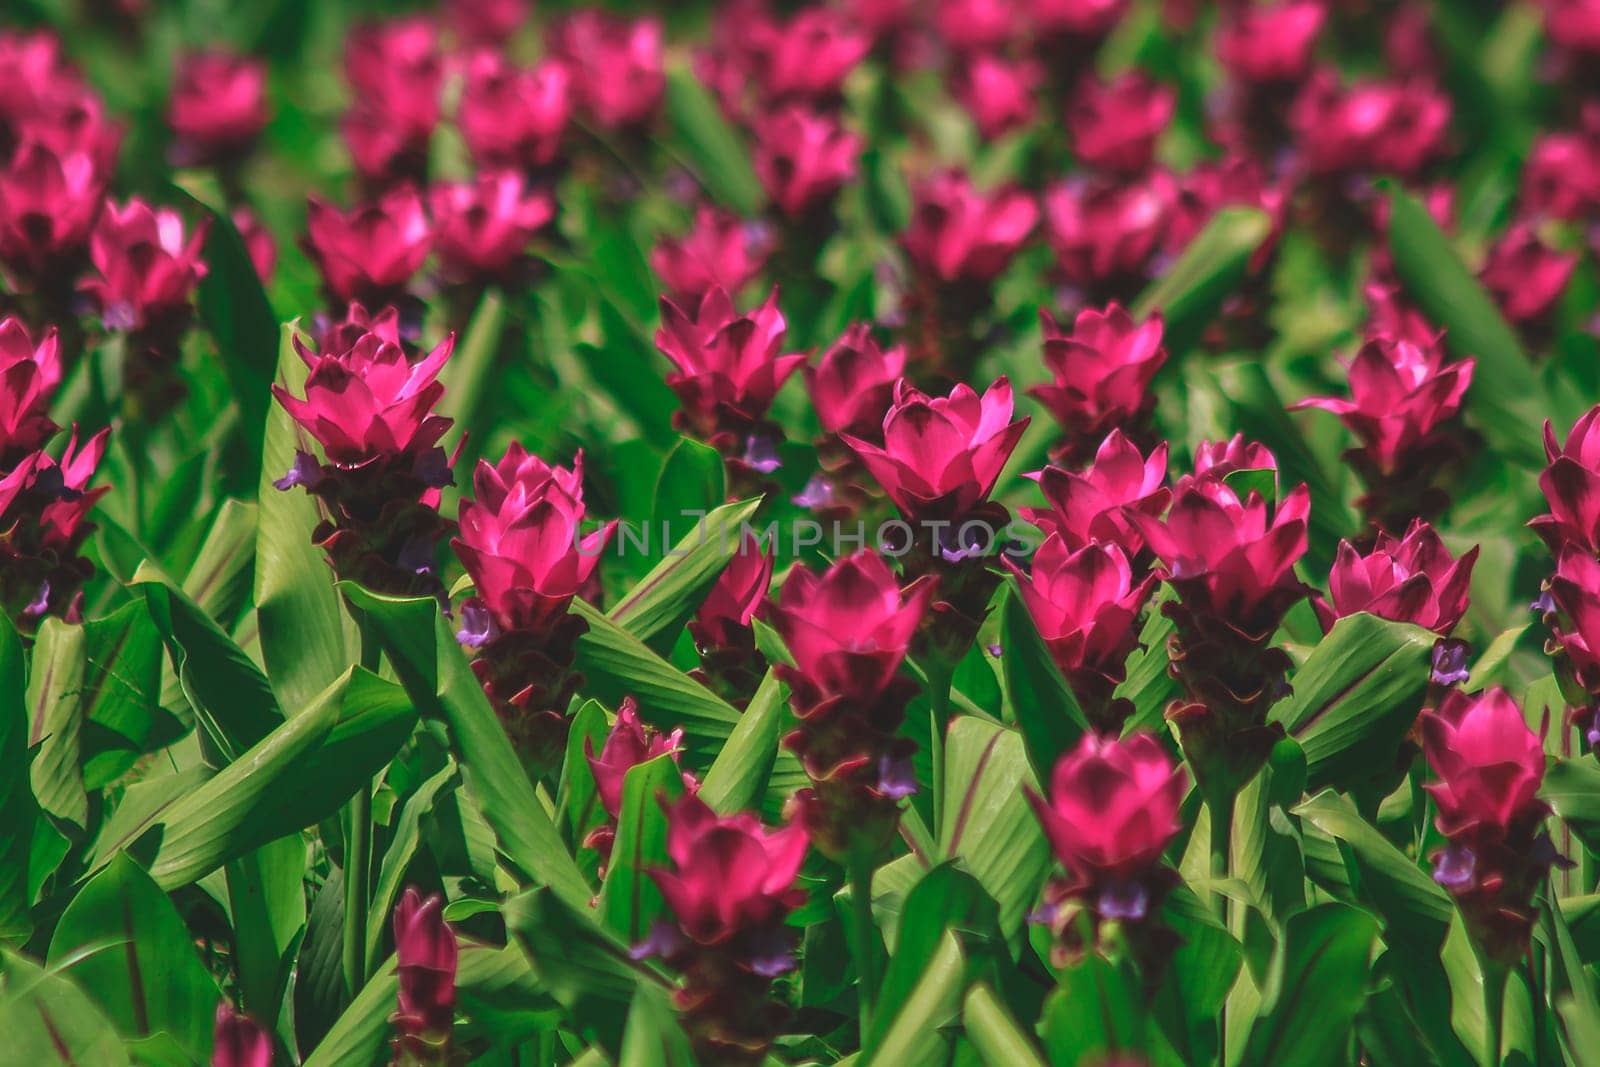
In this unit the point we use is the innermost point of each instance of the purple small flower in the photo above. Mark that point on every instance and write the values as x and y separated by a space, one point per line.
1450 662
896 777
1125 900
1455 867
818 493
1544 605
305 470
477 625
40 603
433 467
664 939
761 453
769 955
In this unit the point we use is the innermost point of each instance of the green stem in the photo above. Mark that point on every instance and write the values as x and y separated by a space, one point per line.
1494 1007
1221 862
358 856
864 941
938 719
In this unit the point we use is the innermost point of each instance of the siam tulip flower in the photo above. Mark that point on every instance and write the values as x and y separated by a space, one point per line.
852 386
487 22
881 18
396 74
729 368
618 64
148 270
1562 176
974 26
1090 19
1092 506
961 235
999 93
513 117
29 375
1235 180
849 629
1573 24
426 954
731 887
1085 604
1526 276
809 56
369 253
1571 485
630 743
804 158
721 251
941 455
1574 617
48 205
1384 127
258 242
239 1041
218 106
1115 124
1101 373
1489 766
1105 234
730 665
1272 43
1408 40
481 228
44 522
1412 579
1390 316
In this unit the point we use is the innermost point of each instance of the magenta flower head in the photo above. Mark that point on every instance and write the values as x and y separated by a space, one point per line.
1104 234
1087 20
396 67
1562 176
1384 127
618 63
1101 373
1489 765
238 1040
48 205
44 513
721 251
1526 276
1575 620
1573 24
1115 124
1412 579
1092 505
513 117
977 25
369 253
803 158
942 455
1085 604
960 235
809 56
998 92
723 618
1271 44
218 106
1400 393
482 228
729 365
630 743
487 22
29 375
426 952
258 242
1571 485
853 385
148 269
1112 809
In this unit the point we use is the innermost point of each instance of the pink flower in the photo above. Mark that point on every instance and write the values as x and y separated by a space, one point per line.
1115 125
1488 762
731 876
395 68
480 228
630 743
64 522
1575 595
369 401
1526 276
1113 808
1390 316
618 63
804 157
1413 579
1395 127
513 117
487 22
976 25
522 543
1078 18
48 205
1102 370
258 242
809 56
739 592
1272 42
850 628
219 104
852 386
728 364
1562 175
998 92
369 253
1105 234
959 234
1399 394
29 374
239 1041
1571 485
1085 605
1574 24
721 251
425 951
147 268
1215 460
941 456
1223 555
1092 506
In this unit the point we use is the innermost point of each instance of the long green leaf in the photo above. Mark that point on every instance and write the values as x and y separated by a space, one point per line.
1317 985
1193 289
712 146
741 771
1046 710
55 708
18 808
48 1020
629 900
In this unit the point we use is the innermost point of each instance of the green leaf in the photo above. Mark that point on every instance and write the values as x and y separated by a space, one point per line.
1507 400
125 943
1317 984
1355 697
629 899
47 1019
741 771
469 370
994 1032
916 1034
653 1037
1047 713
319 988
404 839
122 691
219 579
580 797
1572 788
418 642
55 693
1192 290
1150 686
301 624
267 902
712 147
1096 1011
18 809
1195 984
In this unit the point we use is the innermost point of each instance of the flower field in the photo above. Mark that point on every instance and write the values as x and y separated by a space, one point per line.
886 532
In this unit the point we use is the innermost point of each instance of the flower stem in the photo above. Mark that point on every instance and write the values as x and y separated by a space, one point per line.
357 856
1221 860
1494 1004
864 937
939 680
